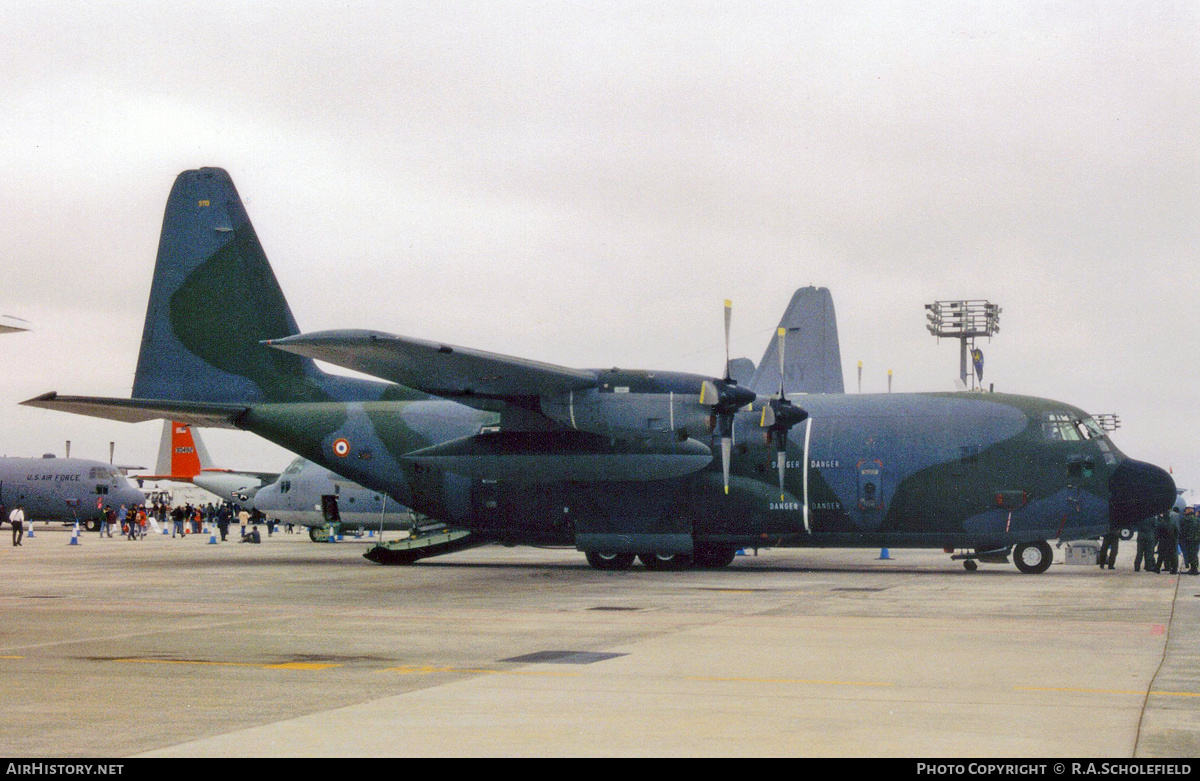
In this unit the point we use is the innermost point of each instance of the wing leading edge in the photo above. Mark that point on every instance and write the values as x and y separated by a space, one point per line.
433 367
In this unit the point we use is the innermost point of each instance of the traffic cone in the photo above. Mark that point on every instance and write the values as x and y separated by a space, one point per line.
75 534
30 534
212 533
883 555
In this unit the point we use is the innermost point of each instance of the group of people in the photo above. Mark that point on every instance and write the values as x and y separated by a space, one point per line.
131 523
1160 539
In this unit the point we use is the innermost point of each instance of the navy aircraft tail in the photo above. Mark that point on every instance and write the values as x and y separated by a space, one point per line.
812 358
213 300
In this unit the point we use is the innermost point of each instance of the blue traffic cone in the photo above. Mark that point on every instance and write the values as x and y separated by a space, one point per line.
883 555
212 534
30 535
75 534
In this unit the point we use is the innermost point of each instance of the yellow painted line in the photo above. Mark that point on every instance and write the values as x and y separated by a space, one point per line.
285 666
792 680
428 669
1103 691
12 657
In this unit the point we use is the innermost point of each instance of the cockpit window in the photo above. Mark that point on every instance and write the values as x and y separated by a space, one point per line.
294 467
1094 429
1065 427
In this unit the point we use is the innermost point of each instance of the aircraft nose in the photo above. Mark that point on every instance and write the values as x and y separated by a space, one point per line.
1138 490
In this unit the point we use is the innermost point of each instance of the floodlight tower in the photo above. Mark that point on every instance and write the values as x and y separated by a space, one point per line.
964 320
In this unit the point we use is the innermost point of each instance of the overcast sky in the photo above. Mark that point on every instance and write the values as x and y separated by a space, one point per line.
584 183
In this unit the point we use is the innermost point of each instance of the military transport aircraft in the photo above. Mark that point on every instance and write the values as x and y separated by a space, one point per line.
64 489
310 495
669 467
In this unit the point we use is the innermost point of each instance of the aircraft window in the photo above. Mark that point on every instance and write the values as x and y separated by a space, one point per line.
1093 429
294 467
1061 427
285 486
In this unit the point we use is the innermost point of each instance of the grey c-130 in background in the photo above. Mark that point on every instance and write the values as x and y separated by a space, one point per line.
668 467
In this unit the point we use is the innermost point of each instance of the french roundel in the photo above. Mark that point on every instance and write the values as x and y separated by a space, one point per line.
341 447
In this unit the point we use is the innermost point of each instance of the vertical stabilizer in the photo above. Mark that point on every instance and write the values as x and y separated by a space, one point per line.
812 357
181 453
213 299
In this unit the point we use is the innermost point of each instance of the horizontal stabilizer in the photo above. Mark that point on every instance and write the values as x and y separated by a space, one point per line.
440 369
207 414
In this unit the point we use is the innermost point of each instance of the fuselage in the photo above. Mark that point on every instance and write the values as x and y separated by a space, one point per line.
298 496
965 470
63 489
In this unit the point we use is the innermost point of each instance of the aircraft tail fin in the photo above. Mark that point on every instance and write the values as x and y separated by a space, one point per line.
213 299
812 357
181 452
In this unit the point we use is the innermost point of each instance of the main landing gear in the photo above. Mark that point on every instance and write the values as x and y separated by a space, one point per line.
705 556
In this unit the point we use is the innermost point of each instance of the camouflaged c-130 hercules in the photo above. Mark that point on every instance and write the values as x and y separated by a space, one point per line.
669 467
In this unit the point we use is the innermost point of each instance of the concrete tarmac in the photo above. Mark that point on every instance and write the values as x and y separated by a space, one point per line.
180 648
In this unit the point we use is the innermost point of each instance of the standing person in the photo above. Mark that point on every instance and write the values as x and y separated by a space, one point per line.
177 516
1108 548
1147 540
243 519
224 516
1168 542
17 519
1189 539
140 517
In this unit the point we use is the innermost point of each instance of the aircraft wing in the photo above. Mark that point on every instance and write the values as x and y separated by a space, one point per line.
440 369
212 415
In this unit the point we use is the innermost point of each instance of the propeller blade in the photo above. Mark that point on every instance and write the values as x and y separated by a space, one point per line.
768 416
728 318
726 452
782 339
780 458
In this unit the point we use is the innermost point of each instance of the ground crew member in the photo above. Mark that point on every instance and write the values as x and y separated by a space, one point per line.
1147 541
17 519
1108 548
1168 541
1189 539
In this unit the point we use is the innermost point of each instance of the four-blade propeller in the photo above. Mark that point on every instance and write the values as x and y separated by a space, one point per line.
726 397
779 415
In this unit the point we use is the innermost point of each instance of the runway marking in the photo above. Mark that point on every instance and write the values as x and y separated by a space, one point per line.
1103 691
283 666
12 657
791 680
425 669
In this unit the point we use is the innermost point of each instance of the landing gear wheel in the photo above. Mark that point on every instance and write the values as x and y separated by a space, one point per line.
92 524
1033 558
610 561
665 560
1127 534
715 556
970 565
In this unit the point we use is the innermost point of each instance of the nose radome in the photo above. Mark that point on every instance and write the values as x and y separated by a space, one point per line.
1138 490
